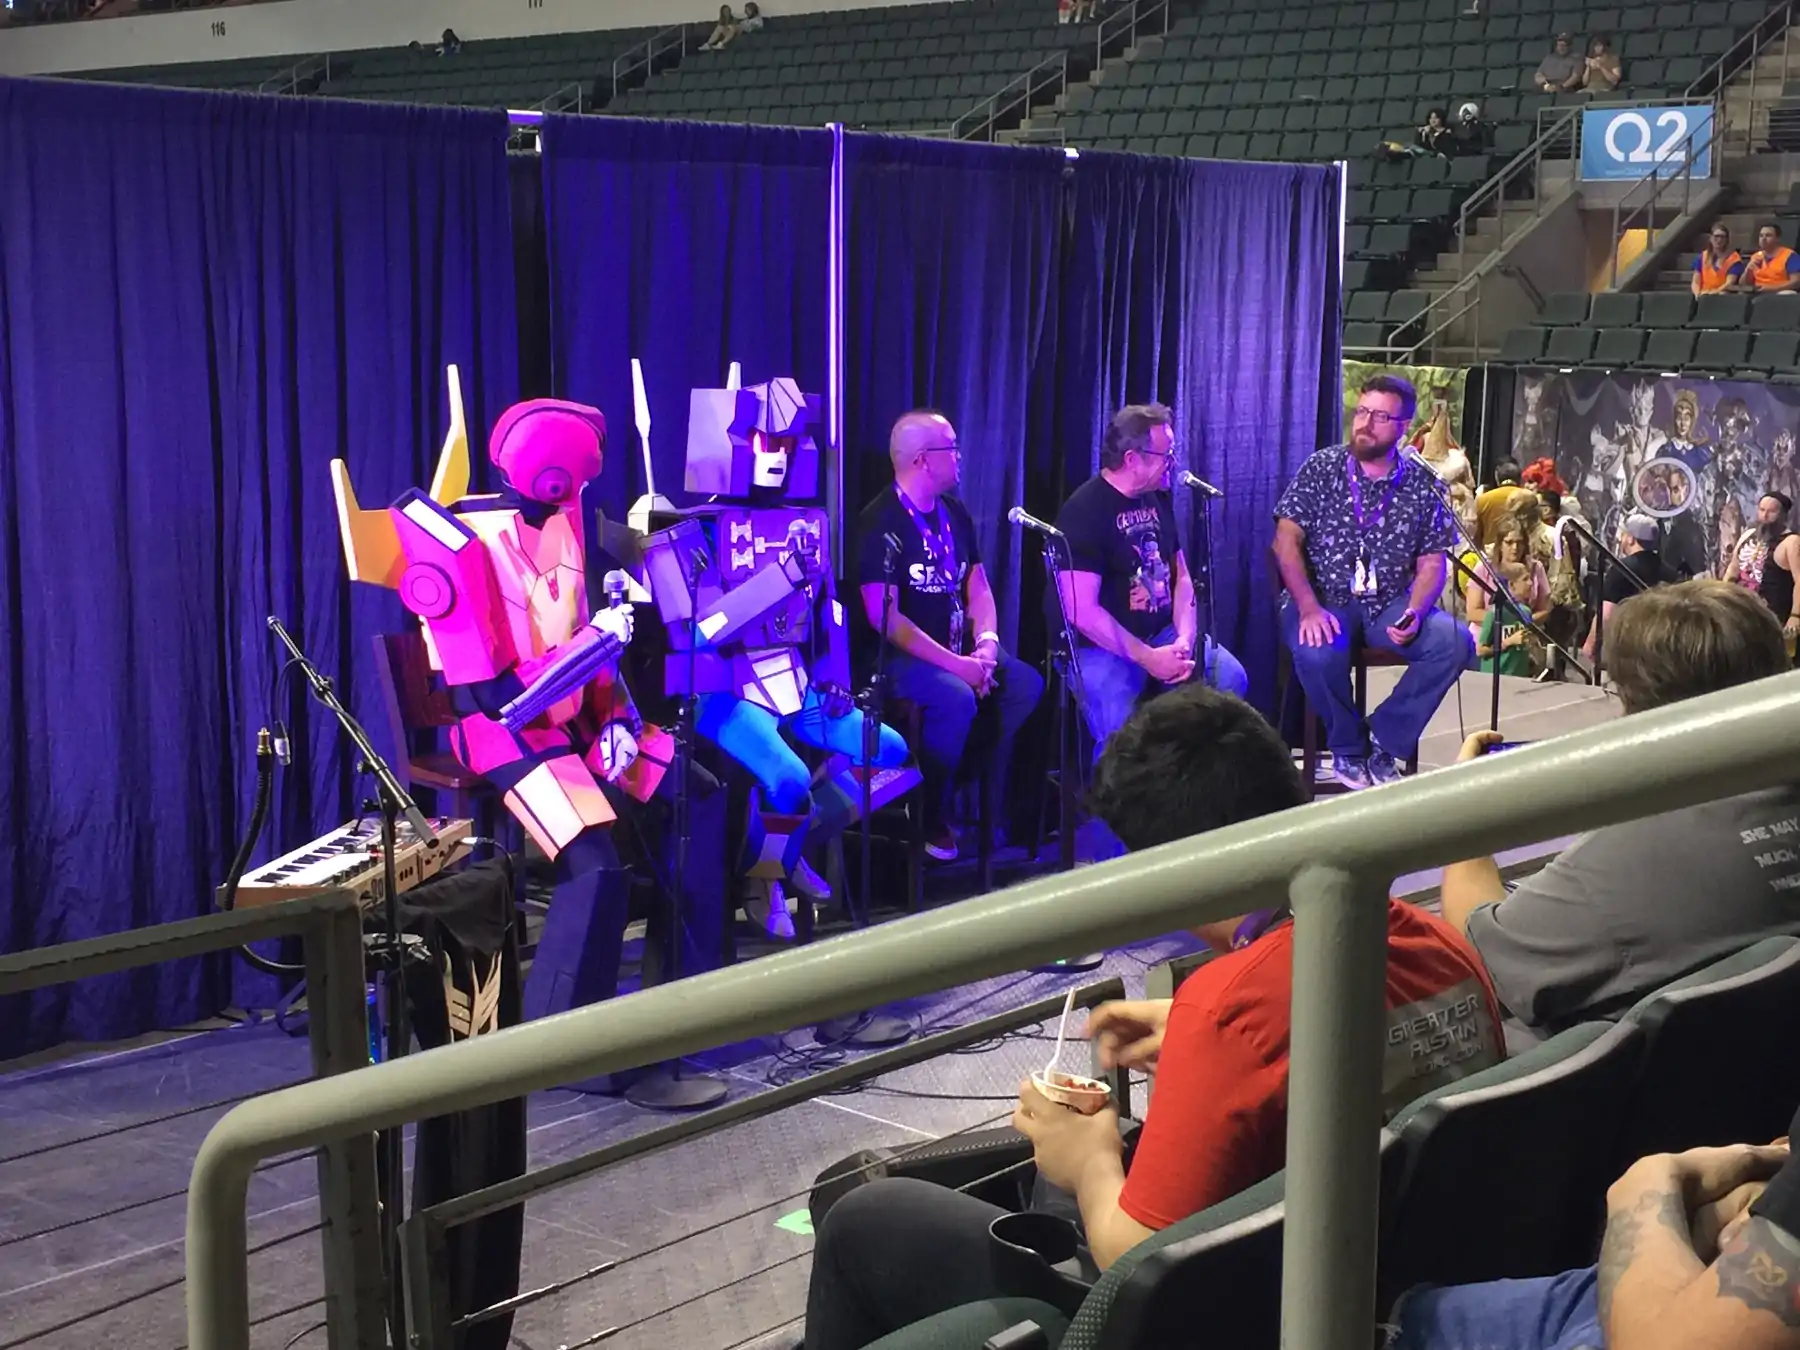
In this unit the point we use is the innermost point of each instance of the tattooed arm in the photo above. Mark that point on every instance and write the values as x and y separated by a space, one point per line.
1656 1292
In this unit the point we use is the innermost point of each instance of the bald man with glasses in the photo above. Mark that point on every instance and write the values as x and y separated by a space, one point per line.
946 656
1360 542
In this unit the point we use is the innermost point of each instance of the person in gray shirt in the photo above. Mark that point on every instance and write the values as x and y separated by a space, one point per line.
1624 910
1562 66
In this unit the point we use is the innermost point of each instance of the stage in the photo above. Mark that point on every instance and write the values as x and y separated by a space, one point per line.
1529 711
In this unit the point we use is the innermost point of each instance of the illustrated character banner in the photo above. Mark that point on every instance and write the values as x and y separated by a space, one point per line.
1436 427
1695 454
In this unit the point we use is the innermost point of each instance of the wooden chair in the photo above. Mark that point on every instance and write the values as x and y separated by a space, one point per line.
416 710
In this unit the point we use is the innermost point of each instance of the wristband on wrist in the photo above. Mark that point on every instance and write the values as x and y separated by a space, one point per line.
987 637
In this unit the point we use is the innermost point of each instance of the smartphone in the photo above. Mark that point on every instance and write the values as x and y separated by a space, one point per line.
1508 745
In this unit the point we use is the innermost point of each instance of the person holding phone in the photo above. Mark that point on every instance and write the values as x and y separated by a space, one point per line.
1360 541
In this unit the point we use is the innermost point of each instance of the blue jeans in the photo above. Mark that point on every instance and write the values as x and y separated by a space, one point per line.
752 736
948 709
1438 653
1114 686
1559 1312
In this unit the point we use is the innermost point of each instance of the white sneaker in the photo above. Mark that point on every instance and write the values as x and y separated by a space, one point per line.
766 906
809 883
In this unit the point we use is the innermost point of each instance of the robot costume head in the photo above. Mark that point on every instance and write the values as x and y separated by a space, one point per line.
549 449
756 439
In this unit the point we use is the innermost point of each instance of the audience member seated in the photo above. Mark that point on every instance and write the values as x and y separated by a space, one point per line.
1719 265
1639 547
1472 134
724 32
753 18
1601 73
1773 267
1509 563
1702 1252
1189 761
1561 69
1629 908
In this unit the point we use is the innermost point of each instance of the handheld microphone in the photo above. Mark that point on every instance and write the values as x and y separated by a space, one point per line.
615 584
1020 516
1195 483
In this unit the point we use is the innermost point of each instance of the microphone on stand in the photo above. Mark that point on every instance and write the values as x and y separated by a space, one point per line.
1195 483
892 543
615 584
1020 516
1412 456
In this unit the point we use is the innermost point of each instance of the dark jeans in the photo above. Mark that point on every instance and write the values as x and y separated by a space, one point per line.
900 1249
949 709
1434 658
1559 1312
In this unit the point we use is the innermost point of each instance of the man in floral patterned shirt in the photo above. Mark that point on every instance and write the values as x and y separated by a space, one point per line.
1360 539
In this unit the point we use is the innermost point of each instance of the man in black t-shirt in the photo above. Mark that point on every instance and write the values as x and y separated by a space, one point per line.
1638 541
945 653
1126 590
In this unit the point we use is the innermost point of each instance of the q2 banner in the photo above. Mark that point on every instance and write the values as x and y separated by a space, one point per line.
1625 143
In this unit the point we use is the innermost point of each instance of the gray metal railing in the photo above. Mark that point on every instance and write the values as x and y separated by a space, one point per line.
331 926
290 80
1746 54
1123 27
1332 860
572 97
645 55
1048 78
1676 167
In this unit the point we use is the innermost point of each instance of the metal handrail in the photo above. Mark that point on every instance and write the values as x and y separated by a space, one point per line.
289 80
1690 154
1333 860
980 122
644 55
571 97
1128 21
1746 52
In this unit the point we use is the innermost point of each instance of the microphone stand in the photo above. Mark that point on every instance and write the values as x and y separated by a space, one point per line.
389 951
1203 525
664 1087
870 1030
1078 691
1608 560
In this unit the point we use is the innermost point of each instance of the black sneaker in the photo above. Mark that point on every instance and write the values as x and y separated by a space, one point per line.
1382 768
1352 771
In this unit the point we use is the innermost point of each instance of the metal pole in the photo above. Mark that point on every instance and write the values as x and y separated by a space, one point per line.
1334 1110
337 1023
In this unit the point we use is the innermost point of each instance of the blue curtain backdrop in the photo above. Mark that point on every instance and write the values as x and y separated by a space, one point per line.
203 299
953 255
1212 287
687 245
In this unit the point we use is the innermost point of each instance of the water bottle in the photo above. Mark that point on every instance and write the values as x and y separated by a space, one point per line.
374 1015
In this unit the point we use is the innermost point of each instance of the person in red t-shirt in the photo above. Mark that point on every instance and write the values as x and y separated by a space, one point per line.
1192 760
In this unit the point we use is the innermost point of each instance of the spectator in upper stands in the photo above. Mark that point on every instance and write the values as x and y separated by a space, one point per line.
1601 72
1561 69
1639 546
1471 135
1435 137
1192 760
1624 910
1500 503
1719 265
724 32
1702 1252
753 19
449 44
1773 267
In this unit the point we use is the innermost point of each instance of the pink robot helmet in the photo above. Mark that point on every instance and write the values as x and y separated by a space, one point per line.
548 448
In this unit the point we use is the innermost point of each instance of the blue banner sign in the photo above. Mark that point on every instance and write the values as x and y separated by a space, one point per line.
1626 143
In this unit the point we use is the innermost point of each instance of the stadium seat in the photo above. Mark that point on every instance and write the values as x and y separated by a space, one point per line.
1720 310
1523 347
1614 309
1570 346
1528 1146
1773 354
1668 349
1667 309
1564 309
1721 1067
1366 306
1365 336
1721 350
1618 347
1780 312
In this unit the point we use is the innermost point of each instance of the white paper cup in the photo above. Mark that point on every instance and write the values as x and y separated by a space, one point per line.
1076 1091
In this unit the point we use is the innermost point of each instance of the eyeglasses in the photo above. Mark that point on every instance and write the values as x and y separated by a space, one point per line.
1376 418
1156 454
945 449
